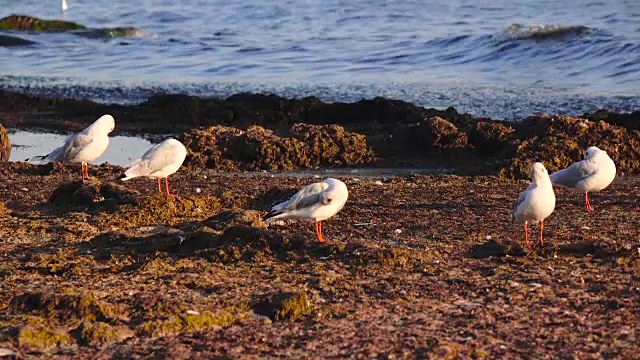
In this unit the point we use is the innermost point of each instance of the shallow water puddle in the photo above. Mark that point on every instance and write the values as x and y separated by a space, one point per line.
365 172
121 150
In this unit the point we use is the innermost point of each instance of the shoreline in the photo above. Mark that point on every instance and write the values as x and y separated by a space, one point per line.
268 132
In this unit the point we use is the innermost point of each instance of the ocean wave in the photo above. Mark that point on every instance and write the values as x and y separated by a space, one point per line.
544 32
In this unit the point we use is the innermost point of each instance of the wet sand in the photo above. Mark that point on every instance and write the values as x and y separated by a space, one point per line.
415 267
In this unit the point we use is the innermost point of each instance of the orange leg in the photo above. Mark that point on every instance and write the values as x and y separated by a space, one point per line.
319 231
159 186
85 171
166 182
586 200
541 229
527 244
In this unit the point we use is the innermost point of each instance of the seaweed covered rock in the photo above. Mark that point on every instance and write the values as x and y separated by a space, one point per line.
331 145
558 141
284 306
30 23
490 138
5 145
98 333
309 146
630 121
233 217
162 209
431 135
42 338
62 307
77 193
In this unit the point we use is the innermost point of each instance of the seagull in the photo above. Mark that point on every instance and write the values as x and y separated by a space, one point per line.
158 162
536 203
315 202
84 146
64 5
594 173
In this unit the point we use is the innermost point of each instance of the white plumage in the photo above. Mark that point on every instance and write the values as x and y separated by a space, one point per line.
537 202
315 202
160 161
594 173
84 146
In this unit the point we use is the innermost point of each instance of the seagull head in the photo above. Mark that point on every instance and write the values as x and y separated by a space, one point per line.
105 124
538 172
592 152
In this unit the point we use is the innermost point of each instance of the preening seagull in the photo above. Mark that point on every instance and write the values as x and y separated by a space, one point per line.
84 146
536 203
315 202
594 173
158 162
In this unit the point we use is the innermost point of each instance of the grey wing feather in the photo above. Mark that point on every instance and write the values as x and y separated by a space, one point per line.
572 175
521 198
306 197
72 146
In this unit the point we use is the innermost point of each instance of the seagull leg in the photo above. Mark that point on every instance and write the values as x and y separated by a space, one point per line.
159 186
84 168
319 231
166 182
541 229
527 244
586 200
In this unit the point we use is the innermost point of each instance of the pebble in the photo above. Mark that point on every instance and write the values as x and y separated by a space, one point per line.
205 176
192 312
378 182
397 231
198 190
7 352
488 237
316 176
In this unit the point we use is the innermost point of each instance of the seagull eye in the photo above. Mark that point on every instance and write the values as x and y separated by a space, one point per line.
328 200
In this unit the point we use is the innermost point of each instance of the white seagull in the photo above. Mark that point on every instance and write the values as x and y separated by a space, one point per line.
315 202
594 173
158 162
84 146
64 5
536 203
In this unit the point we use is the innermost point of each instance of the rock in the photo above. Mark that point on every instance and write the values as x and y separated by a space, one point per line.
558 141
431 135
257 148
284 306
5 145
630 121
29 23
9 41
77 193
490 138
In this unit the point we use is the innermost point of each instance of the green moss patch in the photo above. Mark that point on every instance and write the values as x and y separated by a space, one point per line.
97 334
43 338
188 322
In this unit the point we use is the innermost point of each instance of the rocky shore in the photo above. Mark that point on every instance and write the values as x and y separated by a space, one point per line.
253 131
423 266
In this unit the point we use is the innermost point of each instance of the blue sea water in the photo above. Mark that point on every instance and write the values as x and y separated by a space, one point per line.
499 58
